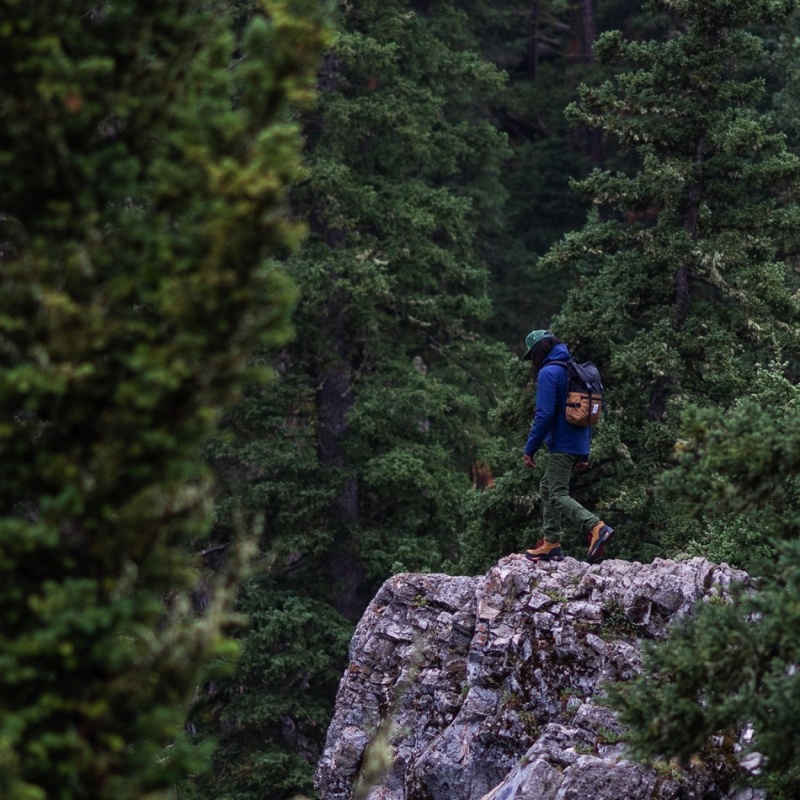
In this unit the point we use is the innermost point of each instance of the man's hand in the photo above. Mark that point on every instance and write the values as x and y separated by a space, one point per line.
528 461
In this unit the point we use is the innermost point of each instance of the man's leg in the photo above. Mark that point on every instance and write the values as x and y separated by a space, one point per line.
599 534
549 548
559 471
551 513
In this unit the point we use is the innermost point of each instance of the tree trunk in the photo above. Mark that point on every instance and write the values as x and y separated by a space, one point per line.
334 401
589 30
683 274
533 47
583 32
690 225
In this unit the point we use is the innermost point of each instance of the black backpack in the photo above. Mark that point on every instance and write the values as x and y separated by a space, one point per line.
584 402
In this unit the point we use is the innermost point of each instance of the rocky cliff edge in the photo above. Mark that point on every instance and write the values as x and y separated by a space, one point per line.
490 687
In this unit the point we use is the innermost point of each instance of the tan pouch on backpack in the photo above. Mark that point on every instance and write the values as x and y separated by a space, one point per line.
583 409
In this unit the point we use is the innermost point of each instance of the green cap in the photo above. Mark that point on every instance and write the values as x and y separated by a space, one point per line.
532 339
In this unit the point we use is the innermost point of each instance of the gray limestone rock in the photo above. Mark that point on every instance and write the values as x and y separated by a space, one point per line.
487 688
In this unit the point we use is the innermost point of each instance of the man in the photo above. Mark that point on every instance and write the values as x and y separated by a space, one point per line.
568 447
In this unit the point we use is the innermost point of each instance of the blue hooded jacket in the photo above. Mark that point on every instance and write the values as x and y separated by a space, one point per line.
550 426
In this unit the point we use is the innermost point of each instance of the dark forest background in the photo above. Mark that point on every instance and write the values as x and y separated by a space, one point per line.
302 245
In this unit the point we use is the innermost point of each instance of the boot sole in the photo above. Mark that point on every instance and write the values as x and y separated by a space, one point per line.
548 557
600 545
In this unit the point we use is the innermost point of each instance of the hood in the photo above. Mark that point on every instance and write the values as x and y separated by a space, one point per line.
559 353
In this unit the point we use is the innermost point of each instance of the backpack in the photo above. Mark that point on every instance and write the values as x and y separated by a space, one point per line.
584 401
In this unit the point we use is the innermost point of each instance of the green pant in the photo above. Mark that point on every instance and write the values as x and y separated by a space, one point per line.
556 501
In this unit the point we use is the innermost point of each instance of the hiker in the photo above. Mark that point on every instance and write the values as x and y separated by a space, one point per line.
568 447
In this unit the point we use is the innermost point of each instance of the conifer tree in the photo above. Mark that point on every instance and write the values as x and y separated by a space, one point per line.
545 49
143 187
686 299
683 292
731 666
688 294
357 459
531 42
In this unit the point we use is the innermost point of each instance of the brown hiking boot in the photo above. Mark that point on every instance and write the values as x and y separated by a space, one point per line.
545 551
599 537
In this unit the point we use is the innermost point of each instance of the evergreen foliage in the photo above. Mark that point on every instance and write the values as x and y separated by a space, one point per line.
734 665
294 643
137 207
688 293
356 461
685 298
682 291
404 321
734 484
545 47
534 43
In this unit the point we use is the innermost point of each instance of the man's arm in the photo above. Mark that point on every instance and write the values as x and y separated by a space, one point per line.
546 410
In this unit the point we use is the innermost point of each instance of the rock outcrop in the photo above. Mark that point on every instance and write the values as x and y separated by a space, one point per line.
462 688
